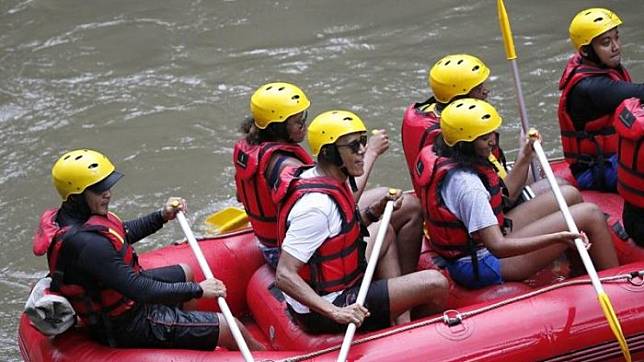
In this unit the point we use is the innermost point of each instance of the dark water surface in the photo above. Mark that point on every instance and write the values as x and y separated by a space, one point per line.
161 86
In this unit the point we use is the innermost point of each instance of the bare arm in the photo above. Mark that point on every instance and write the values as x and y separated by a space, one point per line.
518 176
378 144
503 246
290 282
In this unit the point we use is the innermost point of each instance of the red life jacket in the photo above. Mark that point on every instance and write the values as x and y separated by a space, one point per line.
448 235
418 130
339 263
253 188
89 303
629 123
598 139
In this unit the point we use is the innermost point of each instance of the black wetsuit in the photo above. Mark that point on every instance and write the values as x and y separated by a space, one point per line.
594 97
157 319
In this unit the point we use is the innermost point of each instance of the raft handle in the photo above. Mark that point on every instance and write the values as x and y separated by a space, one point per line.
452 317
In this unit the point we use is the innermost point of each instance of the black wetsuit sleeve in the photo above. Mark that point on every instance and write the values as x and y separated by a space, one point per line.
594 97
96 257
146 225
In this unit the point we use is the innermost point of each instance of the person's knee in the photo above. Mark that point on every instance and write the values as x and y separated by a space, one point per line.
226 338
591 214
571 194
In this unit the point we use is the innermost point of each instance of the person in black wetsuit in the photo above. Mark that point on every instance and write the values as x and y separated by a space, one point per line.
93 264
593 85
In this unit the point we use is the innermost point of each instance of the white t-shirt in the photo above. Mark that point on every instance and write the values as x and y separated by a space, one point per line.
314 218
467 198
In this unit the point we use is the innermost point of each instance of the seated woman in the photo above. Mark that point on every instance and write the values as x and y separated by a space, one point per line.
462 197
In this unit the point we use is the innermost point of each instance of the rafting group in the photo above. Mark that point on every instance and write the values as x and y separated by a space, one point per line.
315 220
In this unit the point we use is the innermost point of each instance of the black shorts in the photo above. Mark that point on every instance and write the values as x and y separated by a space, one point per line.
162 326
168 274
377 302
632 218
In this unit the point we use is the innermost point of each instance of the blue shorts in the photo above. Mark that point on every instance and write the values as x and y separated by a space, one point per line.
591 179
462 270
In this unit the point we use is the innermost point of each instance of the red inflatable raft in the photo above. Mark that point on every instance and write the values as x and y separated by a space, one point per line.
548 318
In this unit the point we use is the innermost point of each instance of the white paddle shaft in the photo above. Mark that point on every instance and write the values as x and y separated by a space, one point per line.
196 249
366 280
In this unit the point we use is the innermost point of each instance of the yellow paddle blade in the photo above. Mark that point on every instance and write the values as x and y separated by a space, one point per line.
609 313
228 219
504 22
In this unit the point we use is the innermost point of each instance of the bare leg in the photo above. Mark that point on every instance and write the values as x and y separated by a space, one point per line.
588 217
227 340
407 224
542 205
387 266
542 186
428 288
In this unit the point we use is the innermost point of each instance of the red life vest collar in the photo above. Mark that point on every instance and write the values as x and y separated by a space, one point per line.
253 189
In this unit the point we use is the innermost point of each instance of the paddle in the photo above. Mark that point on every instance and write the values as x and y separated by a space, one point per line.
605 303
228 220
234 328
511 55
368 275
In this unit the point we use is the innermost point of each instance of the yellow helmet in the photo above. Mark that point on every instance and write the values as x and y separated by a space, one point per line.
455 75
275 102
467 119
589 23
327 127
77 170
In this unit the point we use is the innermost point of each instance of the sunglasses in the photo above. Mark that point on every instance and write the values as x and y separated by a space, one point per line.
355 145
302 120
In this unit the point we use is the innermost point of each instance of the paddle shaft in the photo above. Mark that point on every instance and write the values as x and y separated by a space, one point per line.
511 55
368 275
196 249
581 248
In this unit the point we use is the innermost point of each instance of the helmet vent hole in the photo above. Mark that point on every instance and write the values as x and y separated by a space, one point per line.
487 116
295 97
280 89
476 67
597 20
347 119
269 87
447 62
66 157
93 165
459 62
78 157
69 183
459 105
471 107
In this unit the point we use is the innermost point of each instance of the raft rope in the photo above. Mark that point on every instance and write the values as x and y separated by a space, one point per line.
453 317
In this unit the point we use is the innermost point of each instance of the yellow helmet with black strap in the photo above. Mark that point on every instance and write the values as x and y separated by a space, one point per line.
275 102
78 170
327 127
455 75
467 119
590 23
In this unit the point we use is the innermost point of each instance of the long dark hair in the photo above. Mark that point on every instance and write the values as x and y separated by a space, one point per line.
462 152
274 132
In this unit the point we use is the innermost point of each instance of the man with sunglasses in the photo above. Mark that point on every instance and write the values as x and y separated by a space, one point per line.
322 236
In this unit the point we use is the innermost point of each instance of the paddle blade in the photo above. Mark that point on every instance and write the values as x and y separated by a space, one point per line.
228 220
504 23
609 313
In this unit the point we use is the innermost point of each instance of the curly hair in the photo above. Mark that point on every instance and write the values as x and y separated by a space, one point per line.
272 133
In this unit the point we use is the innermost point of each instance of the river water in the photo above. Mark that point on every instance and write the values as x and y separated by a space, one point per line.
161 87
